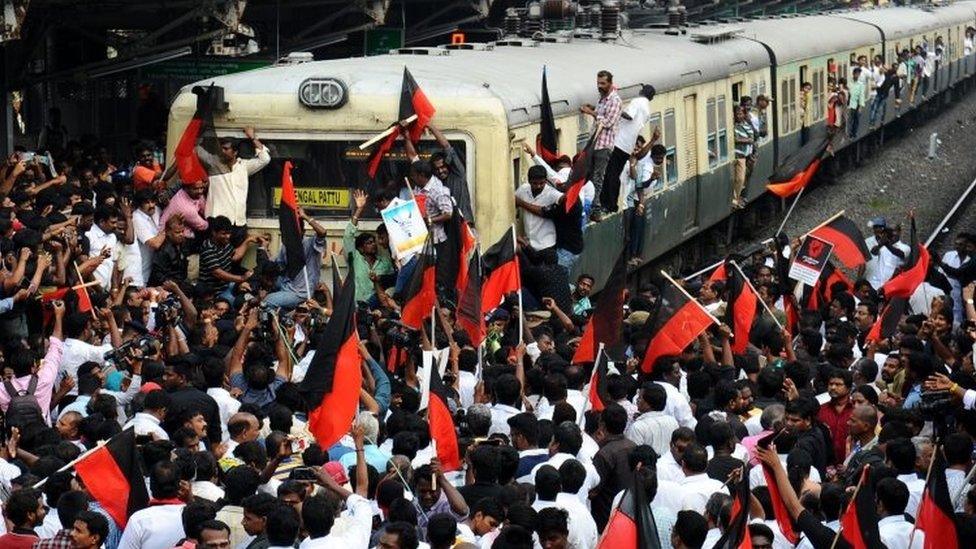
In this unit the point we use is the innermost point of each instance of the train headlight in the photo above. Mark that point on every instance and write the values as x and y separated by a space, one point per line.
323 93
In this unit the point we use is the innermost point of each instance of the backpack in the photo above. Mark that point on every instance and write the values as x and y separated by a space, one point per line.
24 410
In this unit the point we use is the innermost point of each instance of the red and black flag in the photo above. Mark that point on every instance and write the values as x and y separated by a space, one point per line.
849 245
859 523
462 243
81 293
782 516
441 423
718 274
113 476
631 524
413 101
936 514
737 536
290 225
501 271
606 322
797 170
546 144
469 313
831 280
599 393
420 295
200 130
912 273
579 174
741 309
887 323
677 321
331 386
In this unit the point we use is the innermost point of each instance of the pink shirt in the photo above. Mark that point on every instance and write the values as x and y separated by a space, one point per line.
46 376
750 444
191 209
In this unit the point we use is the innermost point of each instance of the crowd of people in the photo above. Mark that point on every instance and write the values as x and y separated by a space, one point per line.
106 331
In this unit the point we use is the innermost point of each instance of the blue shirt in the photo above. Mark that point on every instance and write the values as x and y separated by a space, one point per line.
314 248
374 456
262 398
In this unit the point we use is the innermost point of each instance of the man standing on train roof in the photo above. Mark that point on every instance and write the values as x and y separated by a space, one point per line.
634 117
606 114
448 168
229 176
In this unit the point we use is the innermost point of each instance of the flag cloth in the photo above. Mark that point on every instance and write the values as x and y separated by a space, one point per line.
421 293
461 243
469 314
936 514
782 516
741 309
501 271
913 271
822 293
599 394
441 423
199 129
796 171
631 524
113 476
606 323
290 225
849 245
331 386
414 101
579 174
84 300
718 274
887 323
546 144
737 536
859 523
677 321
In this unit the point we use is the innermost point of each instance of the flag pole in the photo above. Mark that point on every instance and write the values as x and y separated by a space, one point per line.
82 280
693 300
965 484
831 218
382 135
789 212
857 489
521 312
928 474
758 297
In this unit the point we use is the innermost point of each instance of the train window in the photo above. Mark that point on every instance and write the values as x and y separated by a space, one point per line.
325 171
723 124
712 140
785 114
762 87
753 91
671 142
817 99
792 102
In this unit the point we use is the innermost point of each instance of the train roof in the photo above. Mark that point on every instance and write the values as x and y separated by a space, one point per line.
901 22
510 73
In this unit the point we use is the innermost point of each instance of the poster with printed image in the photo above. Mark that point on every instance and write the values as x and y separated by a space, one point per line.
406 228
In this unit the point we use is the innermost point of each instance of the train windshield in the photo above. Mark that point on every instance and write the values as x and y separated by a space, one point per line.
325 172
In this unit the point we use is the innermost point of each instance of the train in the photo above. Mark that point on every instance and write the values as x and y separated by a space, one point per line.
488 98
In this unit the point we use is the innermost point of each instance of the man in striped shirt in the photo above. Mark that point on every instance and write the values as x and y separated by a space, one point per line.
219 260
745 137
606 114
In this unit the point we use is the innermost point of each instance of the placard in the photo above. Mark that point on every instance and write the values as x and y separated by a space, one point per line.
406 228
810 260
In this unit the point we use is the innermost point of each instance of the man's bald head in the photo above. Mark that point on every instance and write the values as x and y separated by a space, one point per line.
243 427
868 414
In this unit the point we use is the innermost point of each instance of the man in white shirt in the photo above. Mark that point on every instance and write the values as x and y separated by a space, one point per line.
895 531
632 121
669 463
540 231
567 439
697 485
102 243
900 454
653 427
145 224
958 449
582 527
229 176
78 350
668 375
354 528
508 392
159 526
887 253
147 422
964 246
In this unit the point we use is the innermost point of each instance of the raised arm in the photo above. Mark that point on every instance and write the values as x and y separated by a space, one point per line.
319 229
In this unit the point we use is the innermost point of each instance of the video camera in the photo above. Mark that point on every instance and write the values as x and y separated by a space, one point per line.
145 343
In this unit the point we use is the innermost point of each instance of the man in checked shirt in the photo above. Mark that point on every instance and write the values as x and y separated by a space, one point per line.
606 115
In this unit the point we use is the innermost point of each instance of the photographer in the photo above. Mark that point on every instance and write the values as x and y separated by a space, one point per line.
251 366
941 382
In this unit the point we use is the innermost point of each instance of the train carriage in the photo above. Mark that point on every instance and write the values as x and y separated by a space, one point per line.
488 96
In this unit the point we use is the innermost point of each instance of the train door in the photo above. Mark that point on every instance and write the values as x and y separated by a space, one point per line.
737 88
690 142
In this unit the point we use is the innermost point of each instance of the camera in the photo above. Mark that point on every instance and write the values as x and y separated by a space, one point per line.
266 323
169 310
145 343
400 335
935 404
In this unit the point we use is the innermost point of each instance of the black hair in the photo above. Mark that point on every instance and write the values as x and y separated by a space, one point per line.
901 453
164 480
695 458
893 495
70 504
572 475
240 482
552 519
406 533
194 515
691 528
283 525
441 530
96 523
318 515
614 418
20 504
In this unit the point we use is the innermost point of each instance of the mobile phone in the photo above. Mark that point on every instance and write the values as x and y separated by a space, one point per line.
297 446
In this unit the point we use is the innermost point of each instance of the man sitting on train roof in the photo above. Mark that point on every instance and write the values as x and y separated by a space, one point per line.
229 176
